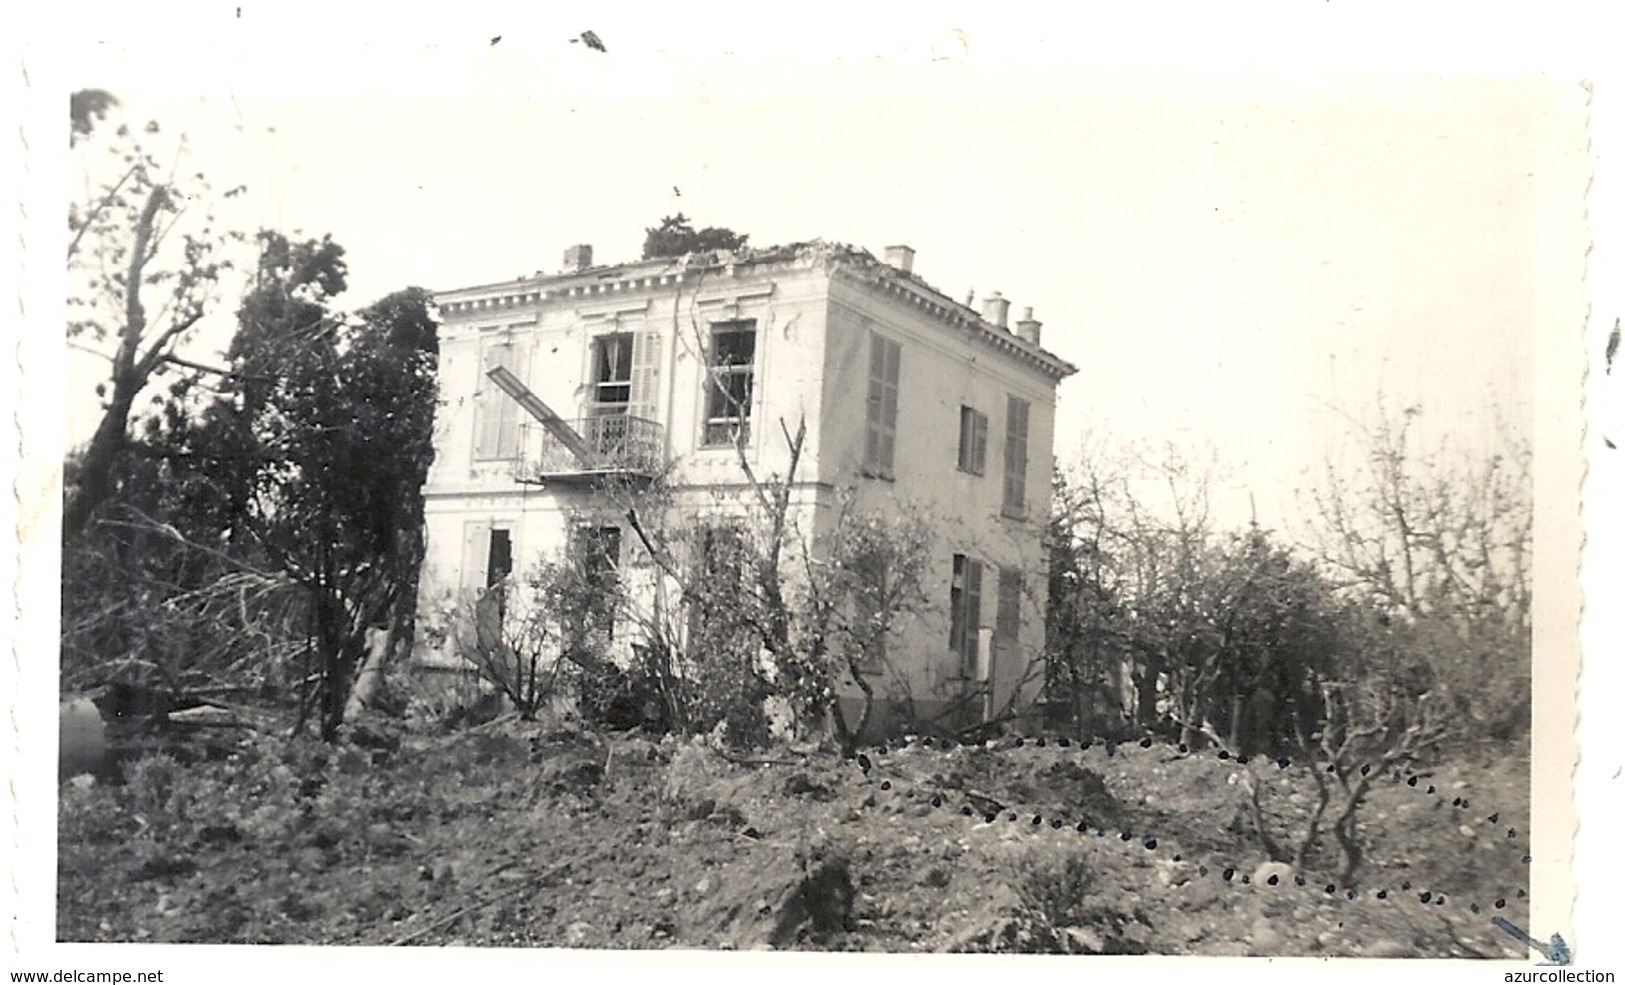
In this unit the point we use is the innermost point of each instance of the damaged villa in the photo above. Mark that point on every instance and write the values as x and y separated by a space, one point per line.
846 378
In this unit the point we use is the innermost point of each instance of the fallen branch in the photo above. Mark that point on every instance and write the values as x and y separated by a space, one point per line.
762 760
470 908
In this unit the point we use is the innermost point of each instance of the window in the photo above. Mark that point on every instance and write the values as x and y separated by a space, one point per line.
487 562
871 616
498 557
722 557
1007 620
880 447
487 555
496 415
714 625
732 381
598 551
611 375
1015 458
972 441
965 607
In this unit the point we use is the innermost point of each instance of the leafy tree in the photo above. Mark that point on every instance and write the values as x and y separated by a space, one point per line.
559 616
319 451
86 108
676 236
868 580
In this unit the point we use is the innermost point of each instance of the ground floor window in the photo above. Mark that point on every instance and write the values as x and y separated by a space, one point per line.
965 608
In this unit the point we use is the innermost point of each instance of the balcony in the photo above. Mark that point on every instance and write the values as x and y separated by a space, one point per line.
617 446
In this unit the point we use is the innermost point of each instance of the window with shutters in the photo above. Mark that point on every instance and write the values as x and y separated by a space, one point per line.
488 553
972 441
731 384
965 608
497 415
1015 458
880 445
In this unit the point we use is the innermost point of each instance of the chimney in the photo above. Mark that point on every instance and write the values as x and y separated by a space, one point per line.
901 257
577 258
1027 328
996 310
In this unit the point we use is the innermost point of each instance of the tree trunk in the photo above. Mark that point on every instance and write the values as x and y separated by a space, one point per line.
94 482
1146 703
369 683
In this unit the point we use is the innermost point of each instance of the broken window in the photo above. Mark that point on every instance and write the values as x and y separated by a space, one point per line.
1015 458
496 415
965 608
880 446
972 441
611 374
732 372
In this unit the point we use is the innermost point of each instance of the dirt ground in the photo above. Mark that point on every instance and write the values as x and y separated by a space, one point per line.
527 834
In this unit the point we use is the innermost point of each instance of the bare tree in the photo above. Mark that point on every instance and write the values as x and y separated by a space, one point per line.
143 265
1441 542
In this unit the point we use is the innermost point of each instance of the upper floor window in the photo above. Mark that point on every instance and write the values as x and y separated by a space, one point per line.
972 441
880 442
1015 458
731 384
496 415
611 390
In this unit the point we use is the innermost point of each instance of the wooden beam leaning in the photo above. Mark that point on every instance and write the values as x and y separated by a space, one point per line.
534 406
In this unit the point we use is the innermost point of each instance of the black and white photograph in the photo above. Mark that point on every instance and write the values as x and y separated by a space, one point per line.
554 486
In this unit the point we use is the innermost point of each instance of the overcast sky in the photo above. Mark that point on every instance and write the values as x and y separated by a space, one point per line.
1221 257
1228 259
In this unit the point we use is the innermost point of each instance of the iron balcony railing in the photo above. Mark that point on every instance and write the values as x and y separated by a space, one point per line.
615 443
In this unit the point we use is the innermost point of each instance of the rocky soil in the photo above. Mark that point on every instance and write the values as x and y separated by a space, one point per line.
545 835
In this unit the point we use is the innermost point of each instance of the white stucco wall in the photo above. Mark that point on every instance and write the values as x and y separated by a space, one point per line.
812 365
943 368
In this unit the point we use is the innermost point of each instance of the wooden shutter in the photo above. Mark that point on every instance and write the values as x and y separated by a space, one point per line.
894 358
488 423
476 555
979 443
497 421
1007 621
646 375
972 441
885 363
973 613
1015 458
508 439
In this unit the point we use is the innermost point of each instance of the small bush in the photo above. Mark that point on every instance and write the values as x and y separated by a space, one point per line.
1054 884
